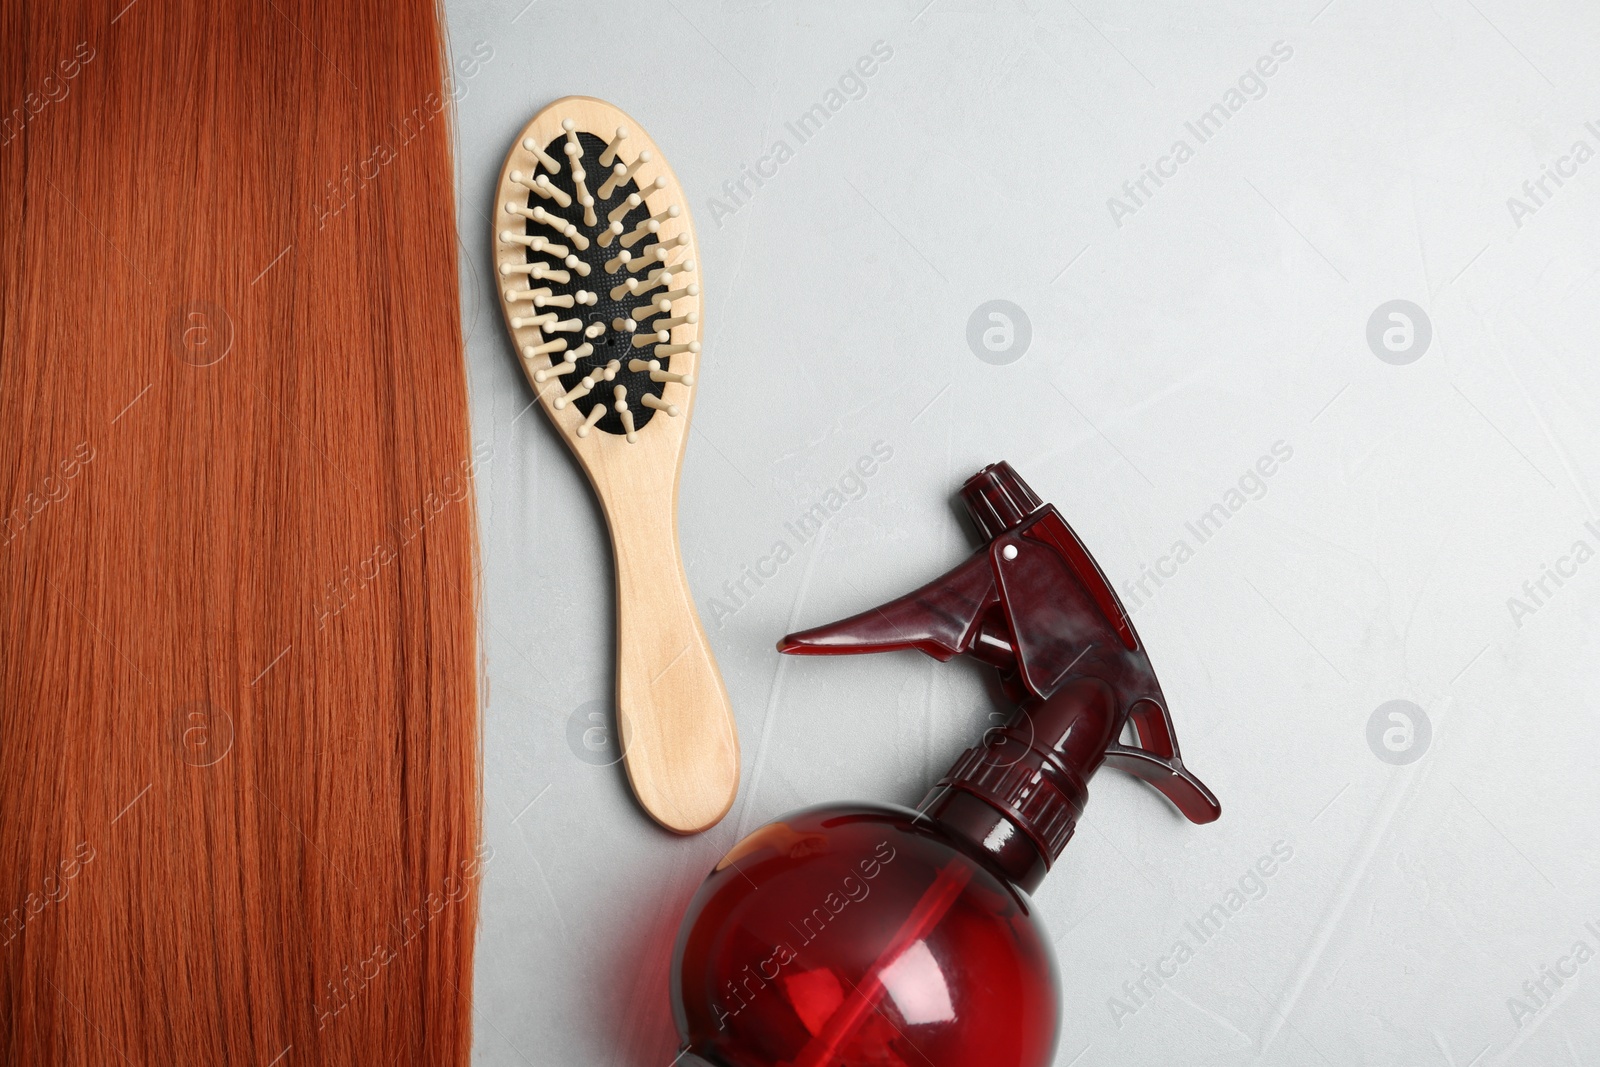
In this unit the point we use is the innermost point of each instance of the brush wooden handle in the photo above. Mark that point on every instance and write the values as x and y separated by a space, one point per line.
680 745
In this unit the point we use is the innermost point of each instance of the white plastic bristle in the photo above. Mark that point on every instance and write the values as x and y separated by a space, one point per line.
544 300
672 350
596 413
658 306
616 178
621 394
617 213
578 177
541 155
656 278
659 337
594 329
541 186
646 188
557 345
539 243
659 276
648 258
536 183
622 325
667 324
589 381
556 370
609 156
565 326
587 298
621 175
609 234
627 287
578 265
659 252
659 375
514 295
678 294
670 269
518 209
535 320
537 271
618 261
670 213
583 350
644 229
578 392
561 226
649 400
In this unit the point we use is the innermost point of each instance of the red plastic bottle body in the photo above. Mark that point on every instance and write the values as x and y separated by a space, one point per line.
861 937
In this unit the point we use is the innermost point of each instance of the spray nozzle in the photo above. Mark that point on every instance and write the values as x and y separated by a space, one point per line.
1033 604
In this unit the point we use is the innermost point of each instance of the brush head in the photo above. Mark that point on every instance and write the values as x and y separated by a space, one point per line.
594 253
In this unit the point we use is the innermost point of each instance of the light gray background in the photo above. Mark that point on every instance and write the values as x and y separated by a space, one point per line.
1227 313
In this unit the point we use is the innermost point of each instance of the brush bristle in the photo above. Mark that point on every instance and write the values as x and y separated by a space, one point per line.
607 233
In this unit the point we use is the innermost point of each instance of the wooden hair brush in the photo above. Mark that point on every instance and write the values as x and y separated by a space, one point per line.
594 250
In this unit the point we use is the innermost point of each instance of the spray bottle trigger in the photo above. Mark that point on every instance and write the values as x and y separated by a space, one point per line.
1159 763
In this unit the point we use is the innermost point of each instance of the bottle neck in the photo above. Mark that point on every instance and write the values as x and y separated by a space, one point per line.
986 834
1014 800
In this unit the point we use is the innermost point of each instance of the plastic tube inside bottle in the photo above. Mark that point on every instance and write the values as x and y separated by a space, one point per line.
852 1012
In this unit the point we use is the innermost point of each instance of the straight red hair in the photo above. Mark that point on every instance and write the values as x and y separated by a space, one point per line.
239 784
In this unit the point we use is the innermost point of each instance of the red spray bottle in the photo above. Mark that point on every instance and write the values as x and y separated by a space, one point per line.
860 935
